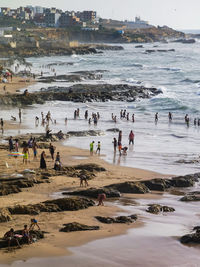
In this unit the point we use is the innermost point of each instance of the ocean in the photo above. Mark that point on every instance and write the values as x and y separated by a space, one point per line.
169 148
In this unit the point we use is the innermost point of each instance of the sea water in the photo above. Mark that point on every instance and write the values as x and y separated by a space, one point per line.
171 148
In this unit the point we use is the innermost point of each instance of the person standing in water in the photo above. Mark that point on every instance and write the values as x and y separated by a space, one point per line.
115 144
170 116
20 115
98 148
131 138
156 117
91 148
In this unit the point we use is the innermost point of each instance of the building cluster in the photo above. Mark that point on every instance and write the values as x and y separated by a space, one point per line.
52 17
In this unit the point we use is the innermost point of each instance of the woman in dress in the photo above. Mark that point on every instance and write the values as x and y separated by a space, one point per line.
42 161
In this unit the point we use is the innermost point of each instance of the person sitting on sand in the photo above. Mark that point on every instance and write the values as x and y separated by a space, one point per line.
101 198
9 236
60 135
26 234
34 223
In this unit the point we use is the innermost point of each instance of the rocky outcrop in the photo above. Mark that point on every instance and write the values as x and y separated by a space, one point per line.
185 41
130 187
94 192
36 235
82 93
72 227
85 133
158 184
149 51
5 215
156 209
55 205
119 219
74 77
192 196
91 167
115 130
192 238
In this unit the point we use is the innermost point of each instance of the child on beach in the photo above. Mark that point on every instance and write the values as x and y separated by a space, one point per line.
91 148
98 148
34 223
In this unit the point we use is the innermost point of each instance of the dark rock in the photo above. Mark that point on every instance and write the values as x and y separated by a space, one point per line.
72 227
191 238
55 205
115 130
130 187
6 189
90 167
156 208
85 133
94 192
188 198
139 46
119 219
183 181
34 233
158 184
5 215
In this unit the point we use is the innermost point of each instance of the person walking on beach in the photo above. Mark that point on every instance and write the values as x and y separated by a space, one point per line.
115 144
91 148
10 142
131 138
101 198
98 148
42 160
20 115
52 150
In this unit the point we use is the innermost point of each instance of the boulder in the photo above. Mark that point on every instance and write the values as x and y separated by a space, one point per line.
130 187
85 133
55 205
34 233
156 209
6 189
183 181
94 192
191 197
115 130
157 184
119 219
191 238
72 227
5 215
91 167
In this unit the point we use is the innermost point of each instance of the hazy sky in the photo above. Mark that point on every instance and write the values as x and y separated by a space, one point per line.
179 14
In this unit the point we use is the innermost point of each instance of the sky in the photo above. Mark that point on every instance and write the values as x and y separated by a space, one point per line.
178 14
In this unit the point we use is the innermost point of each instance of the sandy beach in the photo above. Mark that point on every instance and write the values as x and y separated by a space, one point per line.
14 86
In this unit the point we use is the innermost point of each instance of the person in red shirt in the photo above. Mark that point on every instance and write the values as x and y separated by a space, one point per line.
131 137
